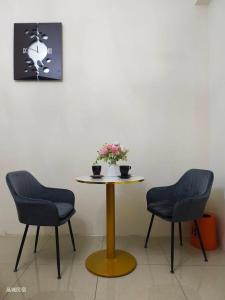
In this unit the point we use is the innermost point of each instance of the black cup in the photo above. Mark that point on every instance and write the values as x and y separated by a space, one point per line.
124 170
96 169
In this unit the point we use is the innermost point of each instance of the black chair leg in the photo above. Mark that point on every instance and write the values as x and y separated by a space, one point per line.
200 240
172 247
71 235
21 247
149 230
36 239
180 234
57 251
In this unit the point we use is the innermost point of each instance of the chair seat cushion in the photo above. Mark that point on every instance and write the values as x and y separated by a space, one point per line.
163 209
64 209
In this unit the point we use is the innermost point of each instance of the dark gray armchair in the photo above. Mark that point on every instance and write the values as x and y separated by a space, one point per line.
40 206
183 201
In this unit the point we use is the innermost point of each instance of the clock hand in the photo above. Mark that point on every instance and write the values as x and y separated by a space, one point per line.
37 49
33 49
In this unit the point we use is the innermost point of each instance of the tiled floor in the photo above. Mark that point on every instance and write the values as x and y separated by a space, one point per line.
193 279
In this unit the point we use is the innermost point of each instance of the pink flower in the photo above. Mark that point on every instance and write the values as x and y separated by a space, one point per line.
109 146
114 148
103 151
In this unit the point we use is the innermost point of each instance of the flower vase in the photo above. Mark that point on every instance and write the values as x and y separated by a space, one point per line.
113 170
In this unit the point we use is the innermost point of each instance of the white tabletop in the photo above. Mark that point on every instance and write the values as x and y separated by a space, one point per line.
106 179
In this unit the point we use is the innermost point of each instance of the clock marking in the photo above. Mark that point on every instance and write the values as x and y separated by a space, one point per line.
46 70
49 50
45 37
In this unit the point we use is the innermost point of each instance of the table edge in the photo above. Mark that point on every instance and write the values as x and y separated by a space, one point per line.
112 182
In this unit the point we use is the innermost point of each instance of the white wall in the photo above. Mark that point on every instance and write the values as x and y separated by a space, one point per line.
134 72
217 108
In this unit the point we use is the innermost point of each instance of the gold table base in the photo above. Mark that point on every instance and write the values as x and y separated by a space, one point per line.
122 264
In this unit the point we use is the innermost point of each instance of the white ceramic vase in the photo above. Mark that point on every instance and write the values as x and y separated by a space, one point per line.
113 170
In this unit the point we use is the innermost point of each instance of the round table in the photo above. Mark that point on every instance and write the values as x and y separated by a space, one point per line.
110 262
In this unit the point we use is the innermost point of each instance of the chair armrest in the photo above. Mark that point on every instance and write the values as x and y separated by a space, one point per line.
37 211
160 193
59 195
188 209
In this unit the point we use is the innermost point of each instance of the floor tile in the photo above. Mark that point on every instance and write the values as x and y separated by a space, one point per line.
9 252
41 283
202 282
190 256
84 247
193 279
8 277
146 282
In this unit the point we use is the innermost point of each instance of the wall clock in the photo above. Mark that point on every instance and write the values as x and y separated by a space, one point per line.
37 51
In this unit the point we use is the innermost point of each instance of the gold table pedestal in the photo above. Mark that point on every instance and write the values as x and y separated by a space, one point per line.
123 263
110 262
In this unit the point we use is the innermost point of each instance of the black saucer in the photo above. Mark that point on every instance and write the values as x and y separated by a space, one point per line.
97 176
125 177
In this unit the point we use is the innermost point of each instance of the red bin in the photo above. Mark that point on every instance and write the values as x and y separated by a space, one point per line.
208 229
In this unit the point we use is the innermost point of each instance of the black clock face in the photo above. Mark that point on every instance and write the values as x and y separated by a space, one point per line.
38 51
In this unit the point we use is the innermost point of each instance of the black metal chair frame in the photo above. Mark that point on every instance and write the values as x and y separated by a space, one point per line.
36 243
172 239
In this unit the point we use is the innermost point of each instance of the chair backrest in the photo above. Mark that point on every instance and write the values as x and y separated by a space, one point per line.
22 183
195 182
